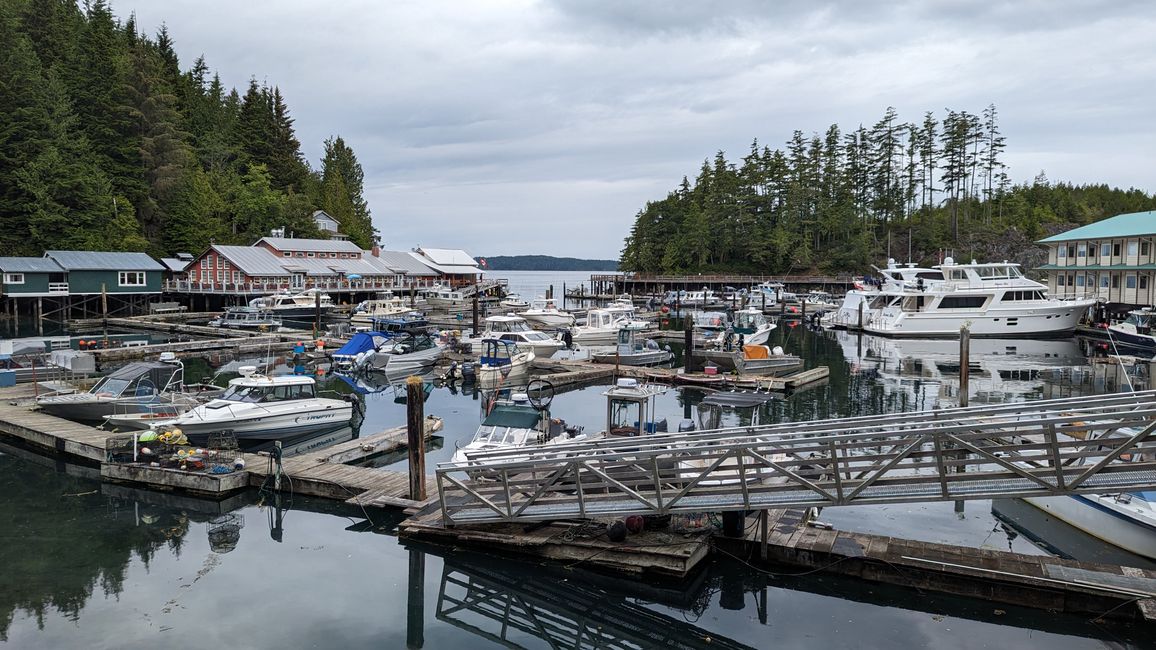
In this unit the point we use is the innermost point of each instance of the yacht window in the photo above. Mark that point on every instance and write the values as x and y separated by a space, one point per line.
962 302
913 303
958 274
930 275
241 393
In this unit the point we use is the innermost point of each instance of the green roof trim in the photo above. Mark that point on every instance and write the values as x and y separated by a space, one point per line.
1133 224
1098 267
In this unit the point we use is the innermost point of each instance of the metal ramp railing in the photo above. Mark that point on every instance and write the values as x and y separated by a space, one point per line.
1059 447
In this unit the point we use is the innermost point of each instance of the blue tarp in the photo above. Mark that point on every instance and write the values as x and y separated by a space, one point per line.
361 342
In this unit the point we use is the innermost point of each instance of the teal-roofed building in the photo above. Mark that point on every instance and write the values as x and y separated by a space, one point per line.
31 277
1113 259
94 272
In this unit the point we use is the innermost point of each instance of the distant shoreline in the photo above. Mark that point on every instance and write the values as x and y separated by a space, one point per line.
546 263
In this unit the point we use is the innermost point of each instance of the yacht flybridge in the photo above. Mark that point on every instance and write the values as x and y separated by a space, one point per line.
992 299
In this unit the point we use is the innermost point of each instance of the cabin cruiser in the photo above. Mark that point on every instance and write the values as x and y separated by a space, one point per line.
772 292
816 301
752 326
138 387
634 350
544 313
701 299
516 329
602 326
513 301
515 423
253 318
259 407
1136 330
992 299
384 306
299 306
501 360
894 279
448 299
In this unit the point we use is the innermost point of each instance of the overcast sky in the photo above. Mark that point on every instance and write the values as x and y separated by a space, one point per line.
521 127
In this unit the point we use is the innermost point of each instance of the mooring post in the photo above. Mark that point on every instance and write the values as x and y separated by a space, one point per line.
861 306
277 472
687 343
475 308
563 296
415 427
763 533
316 313
964 377
415 605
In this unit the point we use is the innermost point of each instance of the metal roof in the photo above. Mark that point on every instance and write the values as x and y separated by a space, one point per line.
447 256
401 262
449 269
256 261
175 264
315 245
29 265
104 261
1132 224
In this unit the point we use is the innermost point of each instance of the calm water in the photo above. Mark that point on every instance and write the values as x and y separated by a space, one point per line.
100 566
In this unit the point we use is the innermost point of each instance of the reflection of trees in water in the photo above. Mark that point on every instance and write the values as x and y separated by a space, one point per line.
64 539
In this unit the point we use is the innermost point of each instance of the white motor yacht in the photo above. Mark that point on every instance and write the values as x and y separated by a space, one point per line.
544 313
304 305
513 301
448 299
253 318
515 328
992 299
383 306
602 326
259 407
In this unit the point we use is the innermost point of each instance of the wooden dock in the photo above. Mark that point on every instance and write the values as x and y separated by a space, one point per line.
564 373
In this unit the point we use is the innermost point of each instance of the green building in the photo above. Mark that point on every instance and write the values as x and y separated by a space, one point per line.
1113 259
92 272
31 277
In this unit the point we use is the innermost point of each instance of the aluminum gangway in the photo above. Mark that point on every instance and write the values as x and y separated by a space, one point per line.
1093 444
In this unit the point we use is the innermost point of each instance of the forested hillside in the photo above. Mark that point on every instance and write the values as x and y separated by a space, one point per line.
107 143
842 200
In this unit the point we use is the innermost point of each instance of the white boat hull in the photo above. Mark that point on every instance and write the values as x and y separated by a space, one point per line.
273 421
1130 526
549 321
1055 319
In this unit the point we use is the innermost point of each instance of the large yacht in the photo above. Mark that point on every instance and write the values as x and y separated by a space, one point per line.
304 305
991 299
894 279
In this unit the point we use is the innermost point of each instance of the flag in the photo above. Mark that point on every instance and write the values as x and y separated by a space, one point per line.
482 262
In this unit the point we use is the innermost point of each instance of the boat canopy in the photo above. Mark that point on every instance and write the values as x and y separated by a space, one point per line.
139 379
361 342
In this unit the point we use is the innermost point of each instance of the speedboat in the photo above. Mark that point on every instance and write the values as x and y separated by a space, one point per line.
404 350
501 360
634 350
513 301
516 329
138 387
259 407
544 313
993 299
752 360
752 326
516 423
1136 330
253 318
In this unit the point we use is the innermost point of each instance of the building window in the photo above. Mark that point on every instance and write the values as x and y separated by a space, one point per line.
131 279
236 277
1133 247
1071 280
1079 280
1071 251
204 262
1062 252
1143 282
1082 250
286 254
1115 250
310 254
1104 281
226 265
1115 280
1105 249
1143 248
1091 249
13 278
1129 281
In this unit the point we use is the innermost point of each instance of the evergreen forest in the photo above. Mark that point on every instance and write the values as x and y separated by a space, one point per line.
842 201
107 143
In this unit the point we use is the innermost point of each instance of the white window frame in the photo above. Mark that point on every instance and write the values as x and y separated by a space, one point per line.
1133 248
13 278
132 279
205 262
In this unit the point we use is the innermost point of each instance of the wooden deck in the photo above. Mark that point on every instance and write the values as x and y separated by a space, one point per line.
564 373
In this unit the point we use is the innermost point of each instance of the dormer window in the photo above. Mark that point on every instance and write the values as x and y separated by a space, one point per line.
286 254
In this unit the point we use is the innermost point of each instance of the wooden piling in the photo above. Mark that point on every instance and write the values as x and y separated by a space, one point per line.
415 427
861 307
964 363
415 608
316 313
688 343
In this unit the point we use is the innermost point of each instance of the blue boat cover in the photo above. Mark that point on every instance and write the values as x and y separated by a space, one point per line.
361 342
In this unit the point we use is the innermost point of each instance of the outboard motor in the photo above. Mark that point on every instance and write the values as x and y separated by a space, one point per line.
568 339
468 372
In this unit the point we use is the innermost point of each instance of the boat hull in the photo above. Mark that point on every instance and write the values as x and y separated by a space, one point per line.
83 407
1051 320
419 359
1102 517
270 424
647 358
549 321
1132 339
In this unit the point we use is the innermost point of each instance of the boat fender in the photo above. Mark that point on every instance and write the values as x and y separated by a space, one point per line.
617 531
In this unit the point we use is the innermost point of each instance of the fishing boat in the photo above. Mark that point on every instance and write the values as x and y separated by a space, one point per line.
260 407
137 387
818 301
992 299
772 293
544 313
515 328
513 301
448 299
710 328
751 360
1136 330
385 305
513 423
631 408
752 326
247 318
298 306
634 350
602 326
501 360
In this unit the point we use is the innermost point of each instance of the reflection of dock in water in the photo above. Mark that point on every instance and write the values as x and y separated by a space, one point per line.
501 606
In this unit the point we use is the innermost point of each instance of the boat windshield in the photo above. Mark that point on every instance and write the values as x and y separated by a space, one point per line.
254 394
509 326
1139 319
749 320
110 386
